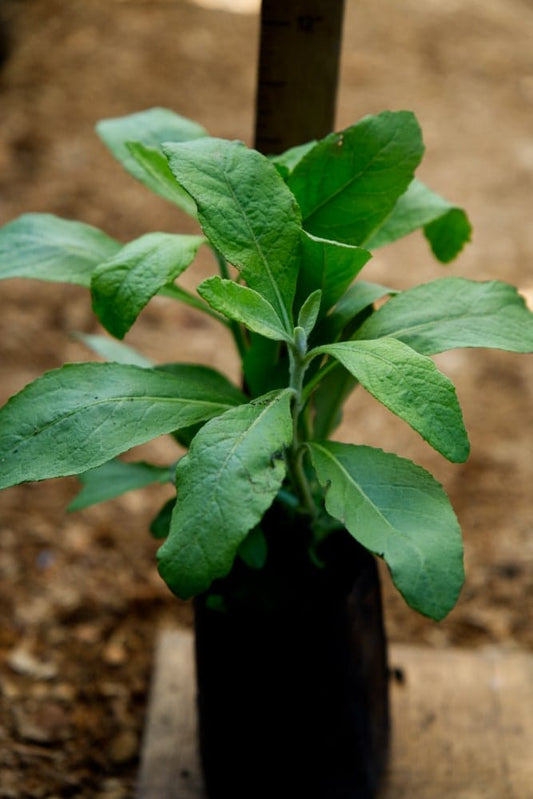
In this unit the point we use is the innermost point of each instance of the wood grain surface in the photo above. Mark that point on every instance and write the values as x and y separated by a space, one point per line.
462 724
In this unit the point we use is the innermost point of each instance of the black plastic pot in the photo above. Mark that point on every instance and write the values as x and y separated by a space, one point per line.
292 672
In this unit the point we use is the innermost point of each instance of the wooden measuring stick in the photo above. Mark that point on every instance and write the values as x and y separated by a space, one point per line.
298 72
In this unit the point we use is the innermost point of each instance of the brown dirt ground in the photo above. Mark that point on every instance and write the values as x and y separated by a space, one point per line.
80 599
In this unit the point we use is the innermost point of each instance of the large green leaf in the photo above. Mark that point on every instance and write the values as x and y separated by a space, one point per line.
446 226
329 266
409 385
397 510
455 312
349 182
246 211
46 247
244 305
115 478
135 140
225 483
124 284
82 415
211 381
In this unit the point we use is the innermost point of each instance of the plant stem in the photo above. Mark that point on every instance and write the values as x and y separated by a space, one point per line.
298 365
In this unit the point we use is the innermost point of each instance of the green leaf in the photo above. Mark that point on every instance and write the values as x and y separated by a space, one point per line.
448 234
160 525
247 213
397 510
135 140
254 550
350 181
455 312
208 379
409 385
332 391
262 367
153 171
309 312
179 294
244 305
285 162
123 285
82 415
115 478
350 312
356 299
46 247
226 482
112 350
446 227
329 266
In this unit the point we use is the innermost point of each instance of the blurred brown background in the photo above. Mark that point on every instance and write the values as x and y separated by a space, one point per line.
80 599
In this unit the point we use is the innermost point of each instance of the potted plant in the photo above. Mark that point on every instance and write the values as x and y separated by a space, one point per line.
275 526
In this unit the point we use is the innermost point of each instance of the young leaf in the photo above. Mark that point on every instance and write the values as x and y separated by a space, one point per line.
244 305
225 483
446 227
135 141
115 478
247 213
409 385
397 510
330 266
123 285
46 247
82 415
349 182
455 312
112 350
309 312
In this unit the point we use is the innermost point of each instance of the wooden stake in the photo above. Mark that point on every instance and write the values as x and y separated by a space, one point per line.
298 72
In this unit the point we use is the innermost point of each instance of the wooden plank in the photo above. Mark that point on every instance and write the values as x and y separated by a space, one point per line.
462 725
169 764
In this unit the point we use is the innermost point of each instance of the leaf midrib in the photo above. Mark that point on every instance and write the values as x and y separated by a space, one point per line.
258 248
394 530
114 400
358 176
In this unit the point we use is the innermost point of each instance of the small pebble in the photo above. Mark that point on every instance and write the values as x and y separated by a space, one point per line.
21 661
